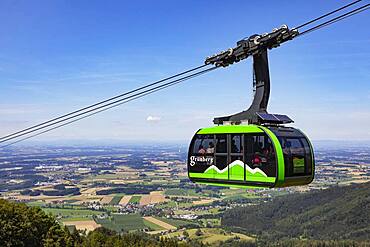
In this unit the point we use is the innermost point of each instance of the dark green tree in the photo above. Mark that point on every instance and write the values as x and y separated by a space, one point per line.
21 225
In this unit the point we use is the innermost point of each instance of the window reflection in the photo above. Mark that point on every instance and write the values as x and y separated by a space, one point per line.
221 144
294 156
203 144
236 143
260 153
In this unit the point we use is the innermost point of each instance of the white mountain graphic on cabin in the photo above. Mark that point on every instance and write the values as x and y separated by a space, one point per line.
236 168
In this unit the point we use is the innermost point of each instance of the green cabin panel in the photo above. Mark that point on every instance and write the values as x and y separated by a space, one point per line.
243 172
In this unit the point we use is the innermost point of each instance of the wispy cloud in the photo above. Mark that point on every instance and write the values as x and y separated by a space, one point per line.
153 119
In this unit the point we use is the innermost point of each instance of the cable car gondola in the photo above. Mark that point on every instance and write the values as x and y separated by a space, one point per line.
251 155
252 148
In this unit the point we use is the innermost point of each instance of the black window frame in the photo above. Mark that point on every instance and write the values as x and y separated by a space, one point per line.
249 153
195 140
288 163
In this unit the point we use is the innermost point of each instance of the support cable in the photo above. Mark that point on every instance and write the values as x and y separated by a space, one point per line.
327 14
336 19
111 105
102 102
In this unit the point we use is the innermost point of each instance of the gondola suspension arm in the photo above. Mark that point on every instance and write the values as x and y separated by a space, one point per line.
256 46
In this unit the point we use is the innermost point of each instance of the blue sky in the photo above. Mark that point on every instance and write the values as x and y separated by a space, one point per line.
56 56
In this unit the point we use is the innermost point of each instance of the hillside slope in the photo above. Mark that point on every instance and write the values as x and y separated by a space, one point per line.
335 213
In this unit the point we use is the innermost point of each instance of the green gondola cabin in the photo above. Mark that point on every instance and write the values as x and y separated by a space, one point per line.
251 156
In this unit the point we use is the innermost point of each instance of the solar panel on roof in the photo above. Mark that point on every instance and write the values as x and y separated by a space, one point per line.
267 117
283 118
274 118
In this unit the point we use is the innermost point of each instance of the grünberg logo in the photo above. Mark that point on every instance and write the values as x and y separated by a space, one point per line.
200 159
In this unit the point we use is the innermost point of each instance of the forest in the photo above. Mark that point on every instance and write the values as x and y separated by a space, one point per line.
337 213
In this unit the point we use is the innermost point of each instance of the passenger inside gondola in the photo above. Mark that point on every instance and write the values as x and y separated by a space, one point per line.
264 156
201 150
211 148
257 156
256 161
267 153
234 147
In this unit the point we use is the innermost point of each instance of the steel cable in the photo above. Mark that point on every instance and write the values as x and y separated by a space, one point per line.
96 111
101 102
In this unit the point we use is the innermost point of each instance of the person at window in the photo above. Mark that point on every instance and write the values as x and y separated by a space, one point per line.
256 161
234 147
211 148
201 150
265 155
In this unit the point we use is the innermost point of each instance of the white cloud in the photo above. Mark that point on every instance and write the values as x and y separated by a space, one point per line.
153 119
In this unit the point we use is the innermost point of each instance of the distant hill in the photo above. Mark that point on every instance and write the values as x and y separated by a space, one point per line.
336 213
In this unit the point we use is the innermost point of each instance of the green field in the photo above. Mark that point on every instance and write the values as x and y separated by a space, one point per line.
212 236
111 208
213 211
199 212
103 176
126 222
77 219
170 204
212 222
174 222
239 196
72 214
115 200
135 199
152 226
35 203
181 192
